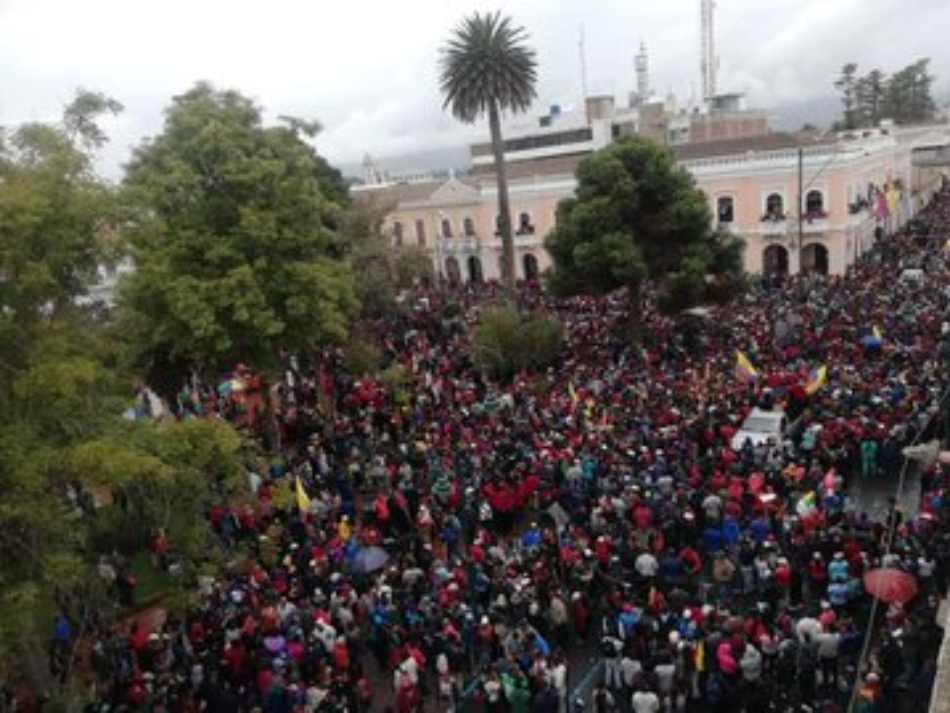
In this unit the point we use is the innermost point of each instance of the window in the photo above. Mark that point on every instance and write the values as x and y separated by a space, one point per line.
815 205
468 226
397 233
524 224
498 225
421 233
446 228
560 138
725 209
774 207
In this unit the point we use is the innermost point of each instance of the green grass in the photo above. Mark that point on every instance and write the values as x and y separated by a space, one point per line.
151 583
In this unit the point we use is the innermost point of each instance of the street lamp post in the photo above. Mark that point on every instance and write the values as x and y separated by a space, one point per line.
801 213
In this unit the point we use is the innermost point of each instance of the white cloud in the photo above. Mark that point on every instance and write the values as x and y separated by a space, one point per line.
367 69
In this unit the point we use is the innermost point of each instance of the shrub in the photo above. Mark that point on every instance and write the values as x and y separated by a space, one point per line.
361 358
505 342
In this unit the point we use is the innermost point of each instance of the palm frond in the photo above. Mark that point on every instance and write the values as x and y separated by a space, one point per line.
485 62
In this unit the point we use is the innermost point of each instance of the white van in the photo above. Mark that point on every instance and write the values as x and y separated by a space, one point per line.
760 427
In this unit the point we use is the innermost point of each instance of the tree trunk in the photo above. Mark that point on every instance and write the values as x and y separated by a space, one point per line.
635 312
504 204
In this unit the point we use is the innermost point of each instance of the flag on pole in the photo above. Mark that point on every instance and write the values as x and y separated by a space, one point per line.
700 656
745 371
816 379
893 197
303 500
573 394
882 209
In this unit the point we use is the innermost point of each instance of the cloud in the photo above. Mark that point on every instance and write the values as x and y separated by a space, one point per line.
367 69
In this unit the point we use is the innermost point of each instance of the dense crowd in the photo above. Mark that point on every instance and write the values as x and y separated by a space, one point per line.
460 544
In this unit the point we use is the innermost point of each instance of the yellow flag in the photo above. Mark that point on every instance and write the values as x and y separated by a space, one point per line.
745 371
573 394
816 379
303 500
700 656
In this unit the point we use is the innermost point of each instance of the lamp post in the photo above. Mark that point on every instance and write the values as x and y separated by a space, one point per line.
801 215
439 237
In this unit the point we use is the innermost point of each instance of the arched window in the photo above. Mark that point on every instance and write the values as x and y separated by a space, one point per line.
397 233
725 209
446 228
468 226
774 207
421 233
815 205
525 226
530 265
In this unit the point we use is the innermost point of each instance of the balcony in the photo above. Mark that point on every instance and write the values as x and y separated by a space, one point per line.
459 246
773 226
815 223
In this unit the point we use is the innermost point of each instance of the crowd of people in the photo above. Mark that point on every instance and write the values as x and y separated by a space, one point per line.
460 544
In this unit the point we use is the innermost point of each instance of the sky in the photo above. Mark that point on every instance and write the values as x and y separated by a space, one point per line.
367 70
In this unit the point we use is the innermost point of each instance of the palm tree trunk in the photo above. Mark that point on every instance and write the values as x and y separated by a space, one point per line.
504 204
635 311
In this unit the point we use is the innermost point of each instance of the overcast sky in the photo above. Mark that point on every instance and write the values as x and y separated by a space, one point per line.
367 69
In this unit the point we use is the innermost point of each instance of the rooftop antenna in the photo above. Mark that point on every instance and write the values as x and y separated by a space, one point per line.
583 57
708 60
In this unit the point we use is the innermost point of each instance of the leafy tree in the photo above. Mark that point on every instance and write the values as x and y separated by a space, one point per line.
908 97
233 238
53 209
486 68
637 217
505 342
846 84
381 270
905 96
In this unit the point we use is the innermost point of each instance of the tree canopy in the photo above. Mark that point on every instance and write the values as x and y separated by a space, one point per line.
904 96
53 209
233 237
638 218
381 270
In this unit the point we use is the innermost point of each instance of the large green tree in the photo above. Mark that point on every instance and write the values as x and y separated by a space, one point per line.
233 236
638 218
905 96
54 209
381 269
486 68
62 395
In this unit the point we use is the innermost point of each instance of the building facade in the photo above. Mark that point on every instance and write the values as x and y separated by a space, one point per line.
800 203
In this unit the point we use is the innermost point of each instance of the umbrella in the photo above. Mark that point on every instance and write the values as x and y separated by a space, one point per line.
890 585
369 559
274 644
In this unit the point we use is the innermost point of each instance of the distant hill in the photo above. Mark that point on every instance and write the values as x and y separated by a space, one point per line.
437 160
820 111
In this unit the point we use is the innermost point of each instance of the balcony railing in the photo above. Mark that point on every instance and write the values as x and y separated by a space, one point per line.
456 246
774 226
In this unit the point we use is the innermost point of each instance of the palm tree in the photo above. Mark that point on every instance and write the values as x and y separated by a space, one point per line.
486 68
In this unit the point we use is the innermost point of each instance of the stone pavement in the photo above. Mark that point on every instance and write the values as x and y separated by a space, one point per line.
940 700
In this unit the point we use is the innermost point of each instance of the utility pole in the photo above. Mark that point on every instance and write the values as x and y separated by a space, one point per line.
582 50
801 213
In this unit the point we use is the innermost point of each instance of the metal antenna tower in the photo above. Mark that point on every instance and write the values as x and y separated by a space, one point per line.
642 64
583 57
709 62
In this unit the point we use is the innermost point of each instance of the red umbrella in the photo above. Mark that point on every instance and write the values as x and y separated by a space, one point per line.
890 585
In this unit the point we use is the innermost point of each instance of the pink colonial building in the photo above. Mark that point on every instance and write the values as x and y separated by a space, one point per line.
801 202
